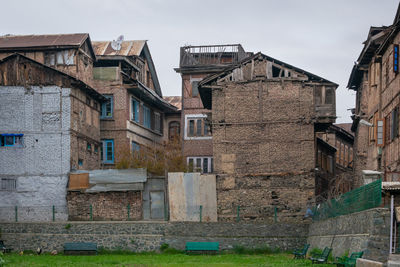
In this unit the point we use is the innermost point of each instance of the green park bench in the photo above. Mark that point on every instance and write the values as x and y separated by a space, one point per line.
202 247
301 253
80 248
348 261
321 258
3 247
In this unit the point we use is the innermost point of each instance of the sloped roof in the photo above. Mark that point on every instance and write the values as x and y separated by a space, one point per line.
175 101
345 126
205 93
311 76
128 48
84 86
29 41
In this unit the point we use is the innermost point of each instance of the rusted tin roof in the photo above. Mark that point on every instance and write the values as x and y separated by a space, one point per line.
175 101
35 41
128 48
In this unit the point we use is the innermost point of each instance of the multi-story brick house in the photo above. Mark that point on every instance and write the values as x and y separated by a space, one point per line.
134 113
197 62
376 115
49 125
265 115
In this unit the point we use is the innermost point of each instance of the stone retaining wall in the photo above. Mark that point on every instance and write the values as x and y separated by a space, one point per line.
366 231
148 236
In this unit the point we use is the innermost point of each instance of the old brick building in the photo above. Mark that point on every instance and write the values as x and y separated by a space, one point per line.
265 114
375 79
133 115
47 128
196 62
336 167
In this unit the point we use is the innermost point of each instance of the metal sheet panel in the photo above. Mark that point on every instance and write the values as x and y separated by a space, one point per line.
189 191
157 205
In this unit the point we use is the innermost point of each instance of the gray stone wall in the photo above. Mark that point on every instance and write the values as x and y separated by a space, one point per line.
366 231
148 236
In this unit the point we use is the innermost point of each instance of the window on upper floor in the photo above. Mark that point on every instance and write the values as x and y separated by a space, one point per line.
135 110
157 122
146 117
65 57
107 151
107 107
11 140
195 88
197 127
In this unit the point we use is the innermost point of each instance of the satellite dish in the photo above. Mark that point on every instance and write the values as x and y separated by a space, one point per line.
116 44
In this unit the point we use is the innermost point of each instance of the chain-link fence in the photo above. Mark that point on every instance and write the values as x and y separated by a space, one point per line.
362 198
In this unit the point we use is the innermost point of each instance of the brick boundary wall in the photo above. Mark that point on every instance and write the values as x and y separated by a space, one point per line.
148 236
367 231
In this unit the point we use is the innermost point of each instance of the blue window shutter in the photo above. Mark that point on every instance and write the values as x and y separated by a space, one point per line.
108 151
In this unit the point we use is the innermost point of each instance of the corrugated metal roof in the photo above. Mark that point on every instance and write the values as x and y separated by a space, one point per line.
115 180
391 185
128 48
175 101
26 41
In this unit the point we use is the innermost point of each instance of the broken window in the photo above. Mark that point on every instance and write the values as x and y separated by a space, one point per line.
107 107
11 140
275 72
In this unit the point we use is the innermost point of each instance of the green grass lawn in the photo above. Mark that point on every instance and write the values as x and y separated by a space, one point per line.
153 259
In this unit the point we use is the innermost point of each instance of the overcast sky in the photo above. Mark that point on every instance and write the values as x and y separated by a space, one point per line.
321 36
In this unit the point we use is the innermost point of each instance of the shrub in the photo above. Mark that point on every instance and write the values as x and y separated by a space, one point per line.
164 246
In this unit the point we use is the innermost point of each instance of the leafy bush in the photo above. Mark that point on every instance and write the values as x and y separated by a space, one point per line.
164 246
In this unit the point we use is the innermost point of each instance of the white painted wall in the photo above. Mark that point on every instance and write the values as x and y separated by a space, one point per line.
42 164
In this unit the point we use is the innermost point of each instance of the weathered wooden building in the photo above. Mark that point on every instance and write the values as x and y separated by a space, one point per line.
264 115
376 115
